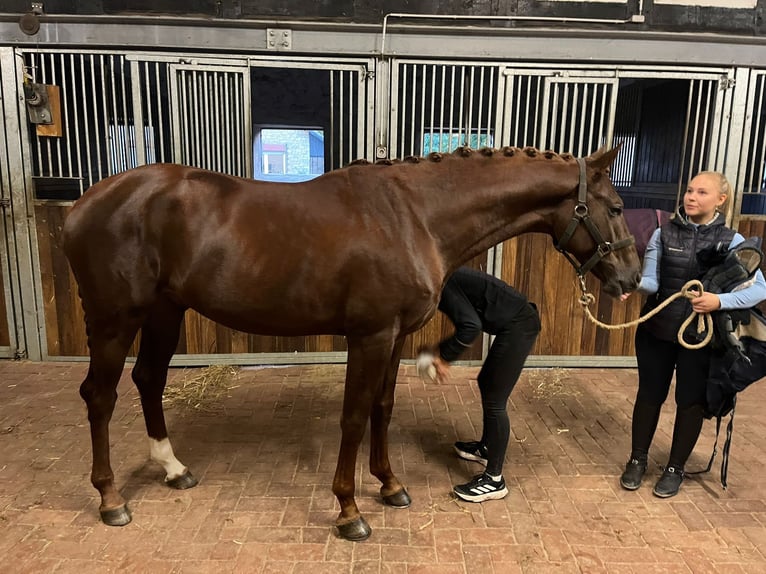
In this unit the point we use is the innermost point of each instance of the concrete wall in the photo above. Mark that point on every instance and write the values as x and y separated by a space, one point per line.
740 17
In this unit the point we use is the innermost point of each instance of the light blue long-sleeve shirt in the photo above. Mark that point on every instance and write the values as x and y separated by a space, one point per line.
742 299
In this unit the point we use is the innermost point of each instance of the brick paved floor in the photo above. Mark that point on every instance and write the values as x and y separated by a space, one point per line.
265 457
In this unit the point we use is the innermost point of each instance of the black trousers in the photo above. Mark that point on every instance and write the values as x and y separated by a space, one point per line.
497 378
657 361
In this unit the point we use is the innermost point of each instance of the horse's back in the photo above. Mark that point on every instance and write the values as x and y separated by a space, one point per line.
257 256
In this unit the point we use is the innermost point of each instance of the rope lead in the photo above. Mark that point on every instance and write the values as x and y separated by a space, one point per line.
690 290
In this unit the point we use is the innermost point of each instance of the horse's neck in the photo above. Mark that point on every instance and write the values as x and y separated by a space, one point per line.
482 202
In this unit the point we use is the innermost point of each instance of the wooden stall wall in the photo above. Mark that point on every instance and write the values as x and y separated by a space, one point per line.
64 320
534 267
755 226
64 317
65 326
530 263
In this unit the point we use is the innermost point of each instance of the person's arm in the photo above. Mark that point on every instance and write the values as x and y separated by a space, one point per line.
467 323
748 297
650 282
744 298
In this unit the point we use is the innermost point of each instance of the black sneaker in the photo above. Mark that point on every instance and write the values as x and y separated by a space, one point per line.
634 474
472 450
482 488
669 483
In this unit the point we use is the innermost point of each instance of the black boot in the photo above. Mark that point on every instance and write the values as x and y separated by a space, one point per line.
634 472
686 431
644 424
669 483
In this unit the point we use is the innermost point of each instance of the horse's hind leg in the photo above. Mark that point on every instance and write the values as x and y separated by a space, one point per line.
392 491
109 341
159 337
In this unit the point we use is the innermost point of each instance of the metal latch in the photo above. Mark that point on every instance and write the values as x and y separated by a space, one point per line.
726 83
5 202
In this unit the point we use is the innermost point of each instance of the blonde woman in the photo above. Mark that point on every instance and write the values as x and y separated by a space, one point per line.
670 261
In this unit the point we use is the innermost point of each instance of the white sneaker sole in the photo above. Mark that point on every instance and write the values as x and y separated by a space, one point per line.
495 495
468 456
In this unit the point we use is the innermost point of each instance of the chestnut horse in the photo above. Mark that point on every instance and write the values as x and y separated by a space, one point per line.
362 251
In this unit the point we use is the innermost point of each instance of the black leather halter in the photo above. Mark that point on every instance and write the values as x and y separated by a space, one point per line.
581 216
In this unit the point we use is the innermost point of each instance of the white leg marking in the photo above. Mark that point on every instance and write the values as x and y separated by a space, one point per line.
161 452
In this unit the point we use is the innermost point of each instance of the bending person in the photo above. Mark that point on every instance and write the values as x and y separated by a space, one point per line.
475 301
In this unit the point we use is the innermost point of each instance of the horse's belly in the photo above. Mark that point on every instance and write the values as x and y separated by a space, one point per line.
284 326
277 315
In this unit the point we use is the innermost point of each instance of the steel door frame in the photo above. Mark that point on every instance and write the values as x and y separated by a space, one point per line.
751 159
7 243
364 147
21 259
365 106
19 253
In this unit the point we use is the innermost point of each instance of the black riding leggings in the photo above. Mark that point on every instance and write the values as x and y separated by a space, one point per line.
657 361
497 378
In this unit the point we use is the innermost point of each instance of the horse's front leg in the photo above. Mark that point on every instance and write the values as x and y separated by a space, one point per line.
392 491
368 361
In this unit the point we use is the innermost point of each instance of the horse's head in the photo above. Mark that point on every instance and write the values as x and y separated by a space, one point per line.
591 227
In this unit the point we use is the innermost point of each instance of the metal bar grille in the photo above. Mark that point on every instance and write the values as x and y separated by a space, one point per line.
578 114
153 82
439 107
348 122
698 147
627 122
754 186
523 108
97 115
212 123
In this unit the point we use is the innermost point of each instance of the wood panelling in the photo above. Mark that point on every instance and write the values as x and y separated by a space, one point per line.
755 226
64 318
530 264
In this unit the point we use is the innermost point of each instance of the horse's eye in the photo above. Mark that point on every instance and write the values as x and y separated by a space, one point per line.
615 211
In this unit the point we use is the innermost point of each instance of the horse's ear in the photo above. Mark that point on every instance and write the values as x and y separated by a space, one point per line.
601 158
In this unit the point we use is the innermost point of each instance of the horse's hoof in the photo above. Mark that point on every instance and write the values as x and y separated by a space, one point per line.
116 516
355 531
398 499
186 480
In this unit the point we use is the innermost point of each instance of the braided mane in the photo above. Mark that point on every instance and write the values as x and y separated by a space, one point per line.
467 152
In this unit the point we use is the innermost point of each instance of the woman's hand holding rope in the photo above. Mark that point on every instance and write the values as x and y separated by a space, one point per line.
702 305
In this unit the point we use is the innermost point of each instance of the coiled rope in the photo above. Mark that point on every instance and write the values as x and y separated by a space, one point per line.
691 290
